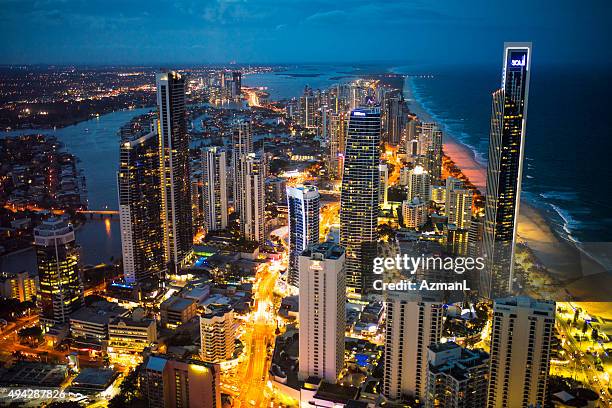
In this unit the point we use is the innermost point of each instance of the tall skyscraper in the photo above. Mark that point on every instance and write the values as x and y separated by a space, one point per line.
337 136
505 170
175 173
414 323
394 120
242 144
214 191
384 184
359 197
217 334
431 145
303 205
171 383
419 184
456 377
252 215
60 285
322 312
139 187
521 337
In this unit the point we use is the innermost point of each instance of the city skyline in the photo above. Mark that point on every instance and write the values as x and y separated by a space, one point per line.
310 235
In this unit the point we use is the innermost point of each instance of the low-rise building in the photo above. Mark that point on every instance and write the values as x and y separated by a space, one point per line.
176 311
131 333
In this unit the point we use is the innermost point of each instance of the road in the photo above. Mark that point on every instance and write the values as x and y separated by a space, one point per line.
581 365
259 337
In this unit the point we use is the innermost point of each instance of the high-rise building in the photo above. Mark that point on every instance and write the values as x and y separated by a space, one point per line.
456 377
60 285
140 205
394 120
459 207
414 213
236 84
430 140
21 286
505 170
303 206
214 191
171 383
414 323
252 207
521 337
337 138
322 312
359 197
242 144
175 173
419 184
308 107
384 184
217 334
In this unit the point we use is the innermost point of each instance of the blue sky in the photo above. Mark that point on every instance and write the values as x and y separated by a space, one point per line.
283 31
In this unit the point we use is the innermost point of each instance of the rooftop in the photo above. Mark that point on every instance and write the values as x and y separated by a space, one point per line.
329 250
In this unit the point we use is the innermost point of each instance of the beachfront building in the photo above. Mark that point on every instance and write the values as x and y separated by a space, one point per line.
359 197
521 338
174 172
505 170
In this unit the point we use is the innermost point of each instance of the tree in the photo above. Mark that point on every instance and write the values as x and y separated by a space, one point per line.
129 394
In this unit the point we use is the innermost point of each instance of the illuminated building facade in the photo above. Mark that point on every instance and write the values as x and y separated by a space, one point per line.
21 286
419 184
322 304
175 170
359 197
172 383
337 136
457 377
303 205
138 184
60 286
217 335
242 144
414 323
252 215
214 191
505 170
521 339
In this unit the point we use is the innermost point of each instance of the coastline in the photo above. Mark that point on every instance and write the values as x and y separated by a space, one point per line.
582 276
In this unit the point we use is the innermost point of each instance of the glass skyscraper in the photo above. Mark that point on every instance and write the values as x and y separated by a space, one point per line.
505 168
138 184
359 197
303 205
57 256
175 173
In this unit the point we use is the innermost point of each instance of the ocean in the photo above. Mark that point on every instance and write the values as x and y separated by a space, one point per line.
567 141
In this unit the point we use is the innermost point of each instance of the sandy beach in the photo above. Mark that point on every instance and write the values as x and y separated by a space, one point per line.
582 277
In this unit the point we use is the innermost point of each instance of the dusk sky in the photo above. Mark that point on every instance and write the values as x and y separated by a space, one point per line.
282 31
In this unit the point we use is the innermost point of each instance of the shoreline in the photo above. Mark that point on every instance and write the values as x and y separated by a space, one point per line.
582 277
